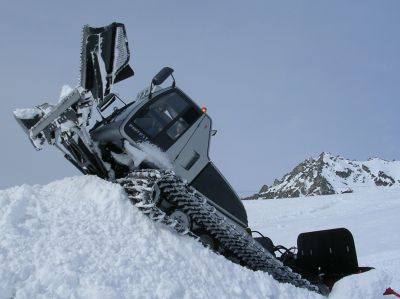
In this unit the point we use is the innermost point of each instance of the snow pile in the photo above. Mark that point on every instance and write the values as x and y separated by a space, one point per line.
30 113
27 113
372 216
147 152
81 238
65 90
328 174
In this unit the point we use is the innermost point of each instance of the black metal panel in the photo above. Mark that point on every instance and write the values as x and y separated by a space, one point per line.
26 124
213 185
109 46
266 243
327 251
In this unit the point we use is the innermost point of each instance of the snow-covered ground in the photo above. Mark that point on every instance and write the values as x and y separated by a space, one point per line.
372 216
81 238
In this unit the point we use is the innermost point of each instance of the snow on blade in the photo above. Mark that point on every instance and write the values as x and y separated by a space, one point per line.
65 90
81 238
27 113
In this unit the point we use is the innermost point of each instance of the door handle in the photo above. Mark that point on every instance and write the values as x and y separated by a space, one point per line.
192 160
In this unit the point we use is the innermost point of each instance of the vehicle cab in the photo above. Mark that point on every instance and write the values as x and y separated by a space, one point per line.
172 121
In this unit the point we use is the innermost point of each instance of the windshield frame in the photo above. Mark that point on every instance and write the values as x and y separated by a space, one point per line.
162 138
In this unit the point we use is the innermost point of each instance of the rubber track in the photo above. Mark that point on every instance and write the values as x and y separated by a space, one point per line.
140 186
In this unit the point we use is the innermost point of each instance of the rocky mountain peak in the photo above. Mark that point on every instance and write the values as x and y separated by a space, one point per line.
329 174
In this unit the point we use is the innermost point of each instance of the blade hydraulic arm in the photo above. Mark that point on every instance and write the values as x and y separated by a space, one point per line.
104 62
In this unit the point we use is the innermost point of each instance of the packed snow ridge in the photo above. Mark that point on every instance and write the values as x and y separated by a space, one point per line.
81 238
328 174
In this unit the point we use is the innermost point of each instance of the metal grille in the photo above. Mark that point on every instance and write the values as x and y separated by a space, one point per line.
121 50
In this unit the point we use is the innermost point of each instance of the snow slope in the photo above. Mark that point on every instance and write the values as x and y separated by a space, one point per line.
372 216
81 238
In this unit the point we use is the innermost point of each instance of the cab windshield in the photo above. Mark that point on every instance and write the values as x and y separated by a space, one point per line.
167 118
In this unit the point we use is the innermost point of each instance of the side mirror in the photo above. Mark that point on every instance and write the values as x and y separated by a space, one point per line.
162 76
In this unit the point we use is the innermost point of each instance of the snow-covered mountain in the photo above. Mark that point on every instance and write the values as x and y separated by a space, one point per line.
328 174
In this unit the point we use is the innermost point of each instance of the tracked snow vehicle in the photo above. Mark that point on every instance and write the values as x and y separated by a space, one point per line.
157 147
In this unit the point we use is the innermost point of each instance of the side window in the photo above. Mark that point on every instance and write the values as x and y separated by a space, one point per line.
158 115
165 119
177 128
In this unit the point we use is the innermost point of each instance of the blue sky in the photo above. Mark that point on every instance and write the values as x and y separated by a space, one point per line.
282 80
